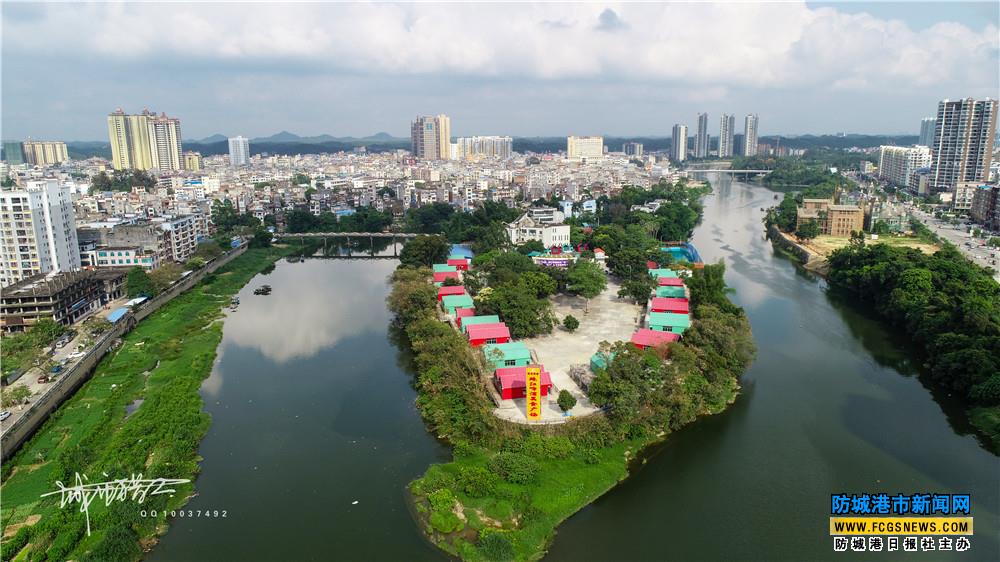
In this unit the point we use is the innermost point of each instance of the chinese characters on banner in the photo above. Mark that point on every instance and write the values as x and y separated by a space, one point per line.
533 393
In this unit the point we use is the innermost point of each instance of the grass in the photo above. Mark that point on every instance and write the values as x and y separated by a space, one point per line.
526 514
987 420
825 245
163 360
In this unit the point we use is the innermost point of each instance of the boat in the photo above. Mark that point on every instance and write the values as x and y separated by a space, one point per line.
262 290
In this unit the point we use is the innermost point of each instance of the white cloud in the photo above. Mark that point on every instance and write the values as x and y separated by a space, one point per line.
783 45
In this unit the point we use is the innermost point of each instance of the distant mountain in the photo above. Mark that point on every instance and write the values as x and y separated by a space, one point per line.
217 137
283 136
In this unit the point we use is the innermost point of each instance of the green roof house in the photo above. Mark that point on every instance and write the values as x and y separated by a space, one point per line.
669 322
662 272
512 354
472 320
451 302
443 268
677 292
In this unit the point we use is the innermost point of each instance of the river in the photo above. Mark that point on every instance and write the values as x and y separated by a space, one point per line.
312 410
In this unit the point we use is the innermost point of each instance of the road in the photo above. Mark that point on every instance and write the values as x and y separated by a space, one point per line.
61 356
976 250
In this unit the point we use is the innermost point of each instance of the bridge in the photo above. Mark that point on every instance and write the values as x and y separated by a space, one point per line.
700 171
383 237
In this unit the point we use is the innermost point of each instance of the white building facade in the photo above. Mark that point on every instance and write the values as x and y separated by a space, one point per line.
37 231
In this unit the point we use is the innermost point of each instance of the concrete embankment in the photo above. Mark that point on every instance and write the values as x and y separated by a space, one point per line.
71 379
810 260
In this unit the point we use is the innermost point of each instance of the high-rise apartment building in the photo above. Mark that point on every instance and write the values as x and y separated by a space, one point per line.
13 152
430 137
44 153
37 231
750 135
239 152
146 141
192 161
679 148
470 148
632 149
701 138
584 147
926 131
963 142
727 127
896 164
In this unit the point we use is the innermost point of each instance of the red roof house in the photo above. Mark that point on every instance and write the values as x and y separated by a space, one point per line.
645 337
460 264
510 381
669 282
670 304
462 313
487 333
440 276
451 290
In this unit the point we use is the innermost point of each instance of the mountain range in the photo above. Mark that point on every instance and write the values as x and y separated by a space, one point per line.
287 137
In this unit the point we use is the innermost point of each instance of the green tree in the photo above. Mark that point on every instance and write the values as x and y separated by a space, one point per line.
164 276
566 400
808 230
571 323
586 279
14 395
637 288
424 251
138 283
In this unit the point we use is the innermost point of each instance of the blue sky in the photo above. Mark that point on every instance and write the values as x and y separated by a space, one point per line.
520 69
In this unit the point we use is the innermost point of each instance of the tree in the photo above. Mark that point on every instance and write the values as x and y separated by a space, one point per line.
571 323
586 279
531 246
195 262
164 276
637 288
566 400
262 238
424 251
138 283
12 396
808 230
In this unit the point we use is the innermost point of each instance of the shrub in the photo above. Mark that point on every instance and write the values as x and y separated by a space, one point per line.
566 400
515 468
495 546
591 456
477 482
571 323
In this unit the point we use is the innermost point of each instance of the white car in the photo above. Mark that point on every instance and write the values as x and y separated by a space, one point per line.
4 415
76 355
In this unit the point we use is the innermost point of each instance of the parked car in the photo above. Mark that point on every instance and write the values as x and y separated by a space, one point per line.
4 415
56 369
44 379
76 354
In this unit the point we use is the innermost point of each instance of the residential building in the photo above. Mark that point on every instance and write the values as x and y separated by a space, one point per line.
193 161
750 135
145 141
183 235
833 220
962 195
473 148
632 149
963 142
727 128
126 257
547 215
239 152
678 148
527 228
584 148
44 153
920 182
897 163
738 144
985 208
430 137
701 138
37 231
65 297
926 131
13 152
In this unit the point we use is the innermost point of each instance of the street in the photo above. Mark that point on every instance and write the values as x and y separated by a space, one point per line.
973 248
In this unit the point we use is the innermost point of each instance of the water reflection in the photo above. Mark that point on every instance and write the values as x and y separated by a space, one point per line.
310 312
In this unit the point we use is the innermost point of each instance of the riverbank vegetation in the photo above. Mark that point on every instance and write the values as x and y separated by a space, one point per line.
509 485
161 362
950 308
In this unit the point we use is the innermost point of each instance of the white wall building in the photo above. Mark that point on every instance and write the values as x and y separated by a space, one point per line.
527 228
239 151
727 126
37 231
750 135
679 148
897 163
588 148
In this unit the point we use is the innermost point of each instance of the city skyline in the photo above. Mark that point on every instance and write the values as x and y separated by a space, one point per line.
560 76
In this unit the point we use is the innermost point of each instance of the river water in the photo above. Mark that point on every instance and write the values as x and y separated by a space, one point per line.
312 410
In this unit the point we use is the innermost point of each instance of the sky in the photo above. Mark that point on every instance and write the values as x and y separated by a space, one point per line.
520 69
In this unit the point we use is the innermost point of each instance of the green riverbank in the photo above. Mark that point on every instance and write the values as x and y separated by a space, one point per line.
161 363
509 486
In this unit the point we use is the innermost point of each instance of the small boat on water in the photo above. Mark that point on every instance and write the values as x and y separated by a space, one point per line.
262 290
